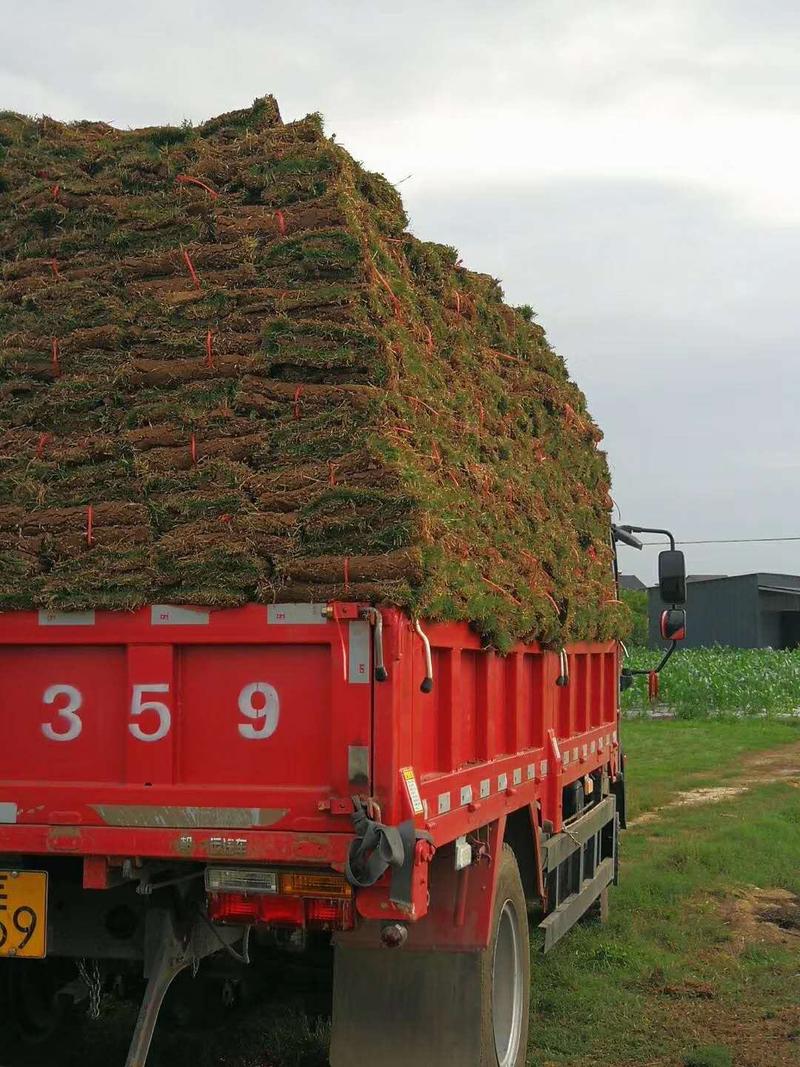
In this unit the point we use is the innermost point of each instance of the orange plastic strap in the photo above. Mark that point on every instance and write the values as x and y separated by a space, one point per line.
280 218
192 271
396 305
90 525
187 179
56 357
209 349
340 633
193 448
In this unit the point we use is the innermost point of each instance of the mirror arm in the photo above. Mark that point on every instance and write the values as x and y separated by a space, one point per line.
650 530
664 659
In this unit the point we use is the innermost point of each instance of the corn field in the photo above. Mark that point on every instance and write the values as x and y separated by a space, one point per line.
719 681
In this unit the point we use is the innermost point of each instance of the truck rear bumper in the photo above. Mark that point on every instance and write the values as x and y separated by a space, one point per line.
253 846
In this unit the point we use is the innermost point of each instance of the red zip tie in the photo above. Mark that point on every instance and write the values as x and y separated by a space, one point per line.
346 574
209 349
187 179
192 271
90 525
331 473
280 218
193 448
54 268
296 404
43 439
56 357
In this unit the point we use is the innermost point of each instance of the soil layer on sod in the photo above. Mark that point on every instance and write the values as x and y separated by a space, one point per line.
228 374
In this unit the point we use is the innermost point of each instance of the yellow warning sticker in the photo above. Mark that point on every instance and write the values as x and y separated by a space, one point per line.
412 789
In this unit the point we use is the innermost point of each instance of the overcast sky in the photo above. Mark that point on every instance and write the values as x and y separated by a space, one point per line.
630 169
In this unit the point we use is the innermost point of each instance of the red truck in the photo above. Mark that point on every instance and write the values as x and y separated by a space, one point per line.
177 783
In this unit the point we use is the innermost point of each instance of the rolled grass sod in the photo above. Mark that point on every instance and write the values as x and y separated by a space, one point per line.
228 329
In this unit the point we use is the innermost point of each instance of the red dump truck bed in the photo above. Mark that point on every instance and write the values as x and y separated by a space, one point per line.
177 731
398 765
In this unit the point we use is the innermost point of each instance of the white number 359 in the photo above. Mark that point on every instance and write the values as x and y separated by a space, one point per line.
152 719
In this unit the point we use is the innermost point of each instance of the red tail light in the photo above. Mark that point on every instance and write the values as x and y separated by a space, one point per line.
280 911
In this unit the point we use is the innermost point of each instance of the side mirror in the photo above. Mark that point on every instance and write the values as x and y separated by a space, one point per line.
673 624
672 576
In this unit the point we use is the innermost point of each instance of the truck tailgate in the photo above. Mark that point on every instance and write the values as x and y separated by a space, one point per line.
174 717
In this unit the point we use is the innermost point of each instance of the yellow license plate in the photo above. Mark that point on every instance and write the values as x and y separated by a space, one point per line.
23 914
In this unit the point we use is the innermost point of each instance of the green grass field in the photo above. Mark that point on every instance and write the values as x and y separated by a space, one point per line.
700 682
684 974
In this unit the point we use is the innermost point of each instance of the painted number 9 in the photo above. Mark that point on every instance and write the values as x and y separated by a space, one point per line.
259 702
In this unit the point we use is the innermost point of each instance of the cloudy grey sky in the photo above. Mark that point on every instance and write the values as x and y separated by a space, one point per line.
629 167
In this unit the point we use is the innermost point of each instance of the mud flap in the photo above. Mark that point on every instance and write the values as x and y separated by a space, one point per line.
396 1008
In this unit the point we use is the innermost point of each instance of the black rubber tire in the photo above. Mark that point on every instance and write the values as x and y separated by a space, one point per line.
509 901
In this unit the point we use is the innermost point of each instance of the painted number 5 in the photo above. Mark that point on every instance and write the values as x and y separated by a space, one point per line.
259 702
70 720
139 705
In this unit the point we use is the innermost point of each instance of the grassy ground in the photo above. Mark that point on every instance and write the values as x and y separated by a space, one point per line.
685 973
721 681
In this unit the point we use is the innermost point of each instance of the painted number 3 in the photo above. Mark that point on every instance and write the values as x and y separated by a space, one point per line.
152 719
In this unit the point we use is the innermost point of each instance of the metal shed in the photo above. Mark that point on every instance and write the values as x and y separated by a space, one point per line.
742 611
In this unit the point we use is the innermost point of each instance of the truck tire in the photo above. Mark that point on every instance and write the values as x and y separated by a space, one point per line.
506 979
439 1008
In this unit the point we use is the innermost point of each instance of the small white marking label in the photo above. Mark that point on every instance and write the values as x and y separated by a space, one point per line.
412 789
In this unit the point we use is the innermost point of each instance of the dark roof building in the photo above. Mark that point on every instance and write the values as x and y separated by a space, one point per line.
741 611
631 582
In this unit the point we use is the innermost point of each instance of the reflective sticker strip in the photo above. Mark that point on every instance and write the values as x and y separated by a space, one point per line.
485 788
593 747
297 614
167 816
444 803
544 767
466 794
412 790
574 754
516 777
585 751
502 782
358 670
565 759
531 771
170 615
8 811
600 743
66 618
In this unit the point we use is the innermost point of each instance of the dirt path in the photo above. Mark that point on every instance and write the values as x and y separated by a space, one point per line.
775 765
